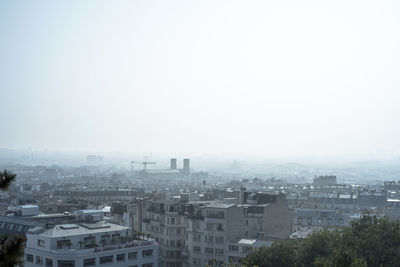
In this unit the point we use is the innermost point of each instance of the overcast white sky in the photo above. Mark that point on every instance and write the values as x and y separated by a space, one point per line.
253 77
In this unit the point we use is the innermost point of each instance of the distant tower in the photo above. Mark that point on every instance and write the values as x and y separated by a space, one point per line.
186 167
173 164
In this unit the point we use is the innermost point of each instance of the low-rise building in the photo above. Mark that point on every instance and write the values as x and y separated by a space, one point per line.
88 243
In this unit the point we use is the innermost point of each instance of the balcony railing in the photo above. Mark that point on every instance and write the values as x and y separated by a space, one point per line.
86 250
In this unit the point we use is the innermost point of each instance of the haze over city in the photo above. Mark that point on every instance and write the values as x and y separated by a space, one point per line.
228 133
263 78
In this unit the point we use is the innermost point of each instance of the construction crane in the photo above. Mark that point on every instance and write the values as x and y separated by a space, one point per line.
145 163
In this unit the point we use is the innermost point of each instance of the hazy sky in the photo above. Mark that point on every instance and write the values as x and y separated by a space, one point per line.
253 77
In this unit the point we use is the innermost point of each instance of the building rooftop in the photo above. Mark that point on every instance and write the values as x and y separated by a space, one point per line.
167 171
65 230
220 205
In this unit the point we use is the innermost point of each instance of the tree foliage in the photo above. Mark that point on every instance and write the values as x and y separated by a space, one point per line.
368 241
11 246
11 250
6 177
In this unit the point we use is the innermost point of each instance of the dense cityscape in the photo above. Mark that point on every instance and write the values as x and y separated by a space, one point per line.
229 133
97 213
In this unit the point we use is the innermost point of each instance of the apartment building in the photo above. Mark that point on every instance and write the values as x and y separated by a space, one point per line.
91 242
165 221
211 228
317 219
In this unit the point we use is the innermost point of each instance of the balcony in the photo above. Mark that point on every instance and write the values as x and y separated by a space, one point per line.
97 248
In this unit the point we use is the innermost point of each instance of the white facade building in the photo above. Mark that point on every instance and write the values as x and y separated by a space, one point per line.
88 244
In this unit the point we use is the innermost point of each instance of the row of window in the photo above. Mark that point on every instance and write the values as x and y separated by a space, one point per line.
213 262
215 214
165 230
14 227
167 220
235 248
209 226
170 243
92 261
218 251
319 221
208 238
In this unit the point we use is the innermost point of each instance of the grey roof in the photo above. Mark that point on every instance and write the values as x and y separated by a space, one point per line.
220 205
80 229
17 225
167 171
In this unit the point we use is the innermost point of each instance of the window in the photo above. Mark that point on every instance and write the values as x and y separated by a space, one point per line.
219 239
214 262
29 257
234 248
49 262
115 238
132 255
209 239
89 262
220 227
196 237
89 241
215 214
173 254
219 251
196 249
196 261
106 259
66 263
39 260
147 265
65 243
40 243
147 253
209 226
105 240
209 250
246 249
309 221
121 257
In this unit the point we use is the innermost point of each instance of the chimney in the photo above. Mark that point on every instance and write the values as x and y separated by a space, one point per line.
173 164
